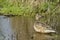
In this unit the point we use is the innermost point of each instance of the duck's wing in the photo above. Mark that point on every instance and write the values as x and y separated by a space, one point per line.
40 27
49 29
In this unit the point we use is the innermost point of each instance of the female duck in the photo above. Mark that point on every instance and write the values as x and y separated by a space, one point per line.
41 27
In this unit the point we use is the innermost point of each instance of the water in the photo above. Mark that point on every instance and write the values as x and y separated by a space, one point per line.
23 26
5 28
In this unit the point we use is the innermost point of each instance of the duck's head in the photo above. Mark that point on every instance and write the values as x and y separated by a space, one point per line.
38 16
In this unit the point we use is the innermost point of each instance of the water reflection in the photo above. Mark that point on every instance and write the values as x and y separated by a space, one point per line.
6 31
5 27
40 36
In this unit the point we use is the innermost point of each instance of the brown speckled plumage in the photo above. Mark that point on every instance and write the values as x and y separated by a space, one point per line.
41 27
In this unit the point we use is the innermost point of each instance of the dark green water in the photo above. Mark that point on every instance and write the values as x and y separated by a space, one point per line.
23 29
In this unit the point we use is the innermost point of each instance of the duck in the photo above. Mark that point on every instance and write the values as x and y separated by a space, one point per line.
42 27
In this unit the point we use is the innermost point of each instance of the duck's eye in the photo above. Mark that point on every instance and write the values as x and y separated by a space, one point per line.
47 27
35 0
